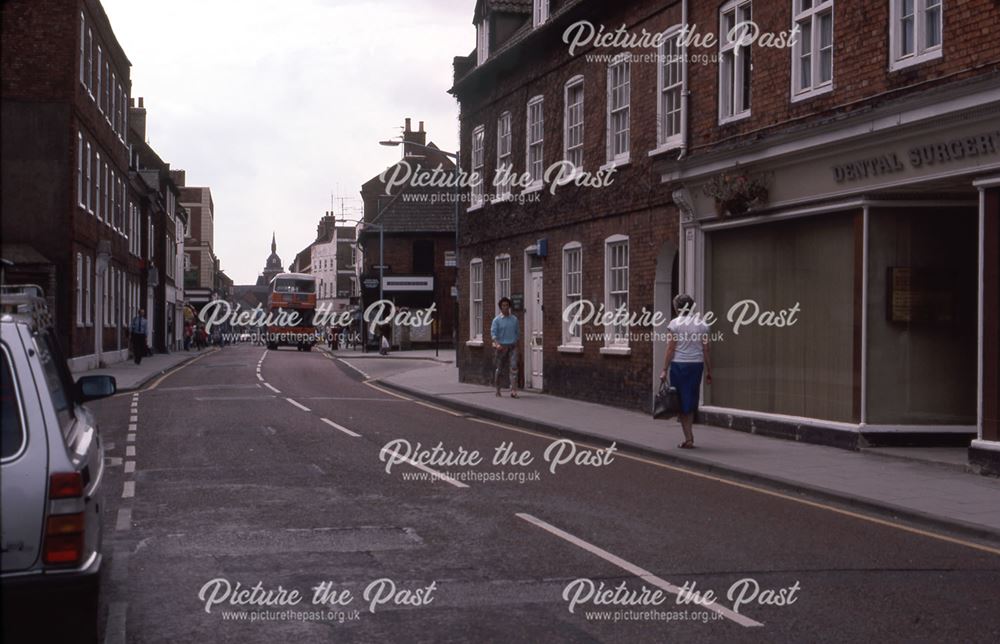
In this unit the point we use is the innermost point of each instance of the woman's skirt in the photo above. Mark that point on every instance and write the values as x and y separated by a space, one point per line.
686 378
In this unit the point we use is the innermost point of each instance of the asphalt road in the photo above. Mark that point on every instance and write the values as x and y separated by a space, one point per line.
251 471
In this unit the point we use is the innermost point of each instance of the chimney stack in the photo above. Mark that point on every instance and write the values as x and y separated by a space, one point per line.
419 137
137 119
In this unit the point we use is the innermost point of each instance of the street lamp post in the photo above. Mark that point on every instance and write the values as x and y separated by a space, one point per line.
458 167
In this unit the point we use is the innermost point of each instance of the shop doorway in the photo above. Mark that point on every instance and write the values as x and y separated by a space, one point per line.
664 291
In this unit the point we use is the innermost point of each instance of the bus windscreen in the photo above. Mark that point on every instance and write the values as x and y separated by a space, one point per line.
294 286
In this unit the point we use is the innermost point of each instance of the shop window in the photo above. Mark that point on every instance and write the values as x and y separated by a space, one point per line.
923 306
801 369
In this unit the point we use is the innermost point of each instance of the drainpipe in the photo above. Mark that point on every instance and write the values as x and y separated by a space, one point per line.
684 89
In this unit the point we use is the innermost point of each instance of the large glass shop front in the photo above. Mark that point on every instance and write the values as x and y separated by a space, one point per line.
921 312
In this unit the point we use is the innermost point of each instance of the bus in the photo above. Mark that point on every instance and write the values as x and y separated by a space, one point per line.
292 293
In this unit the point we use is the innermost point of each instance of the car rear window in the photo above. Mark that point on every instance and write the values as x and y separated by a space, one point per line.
11 422
57 378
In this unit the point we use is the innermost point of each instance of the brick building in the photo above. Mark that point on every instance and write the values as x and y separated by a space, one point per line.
417 240
848 175
157 200
66 207
199 248
331 259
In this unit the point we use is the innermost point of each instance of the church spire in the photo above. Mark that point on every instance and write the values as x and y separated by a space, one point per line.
274 244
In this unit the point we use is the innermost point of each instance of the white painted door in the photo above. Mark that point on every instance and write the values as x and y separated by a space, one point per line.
534 332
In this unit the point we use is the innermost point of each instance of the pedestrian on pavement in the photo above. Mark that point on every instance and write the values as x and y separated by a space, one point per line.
188 335
137 335
384 345
686 360
505 332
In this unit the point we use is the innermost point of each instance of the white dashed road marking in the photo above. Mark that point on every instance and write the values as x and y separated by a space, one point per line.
272 387
129 490
340 427
299 405
641 573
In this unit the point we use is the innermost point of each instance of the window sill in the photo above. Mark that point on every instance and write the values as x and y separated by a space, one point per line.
616 351
570 348
535 187
812 93
725 120
474 343
913 60
475 207
666 147
617 163
503 198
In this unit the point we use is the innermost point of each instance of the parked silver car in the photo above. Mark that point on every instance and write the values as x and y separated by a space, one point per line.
51 468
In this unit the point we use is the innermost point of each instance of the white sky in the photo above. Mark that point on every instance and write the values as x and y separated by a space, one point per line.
275 106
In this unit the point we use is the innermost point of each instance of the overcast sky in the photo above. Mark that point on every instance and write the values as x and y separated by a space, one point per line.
275 106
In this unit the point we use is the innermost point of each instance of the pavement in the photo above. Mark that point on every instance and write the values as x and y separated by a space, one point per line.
130 376
926 489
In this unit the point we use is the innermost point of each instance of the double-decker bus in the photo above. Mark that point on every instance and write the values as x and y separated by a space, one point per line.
292 293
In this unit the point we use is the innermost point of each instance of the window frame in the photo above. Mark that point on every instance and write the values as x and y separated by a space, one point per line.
664 142
613 342
498 291
83 47
482 41
921 53
613 157
97 93
79 289
90 179
97 187
813 15
569 340
536 102
477 165
476 287
572 84
729 48
539 13
503 188
88 293
79 169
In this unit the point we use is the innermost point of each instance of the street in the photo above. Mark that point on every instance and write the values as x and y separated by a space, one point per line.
267 469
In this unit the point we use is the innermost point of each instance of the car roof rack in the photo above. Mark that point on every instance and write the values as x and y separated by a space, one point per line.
25 303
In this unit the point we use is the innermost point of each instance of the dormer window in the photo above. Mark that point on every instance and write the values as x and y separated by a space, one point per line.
540 13
482 41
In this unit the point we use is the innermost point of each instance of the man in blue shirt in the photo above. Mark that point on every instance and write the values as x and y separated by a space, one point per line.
505 331
137 331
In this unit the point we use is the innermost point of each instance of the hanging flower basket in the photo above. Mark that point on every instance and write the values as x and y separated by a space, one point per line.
736 193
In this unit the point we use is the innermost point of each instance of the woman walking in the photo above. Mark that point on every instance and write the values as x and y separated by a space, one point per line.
686 360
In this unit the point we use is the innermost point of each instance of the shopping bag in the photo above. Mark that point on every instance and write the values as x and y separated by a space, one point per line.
667 402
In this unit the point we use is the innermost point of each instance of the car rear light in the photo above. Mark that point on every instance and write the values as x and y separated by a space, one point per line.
64 539
65 485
